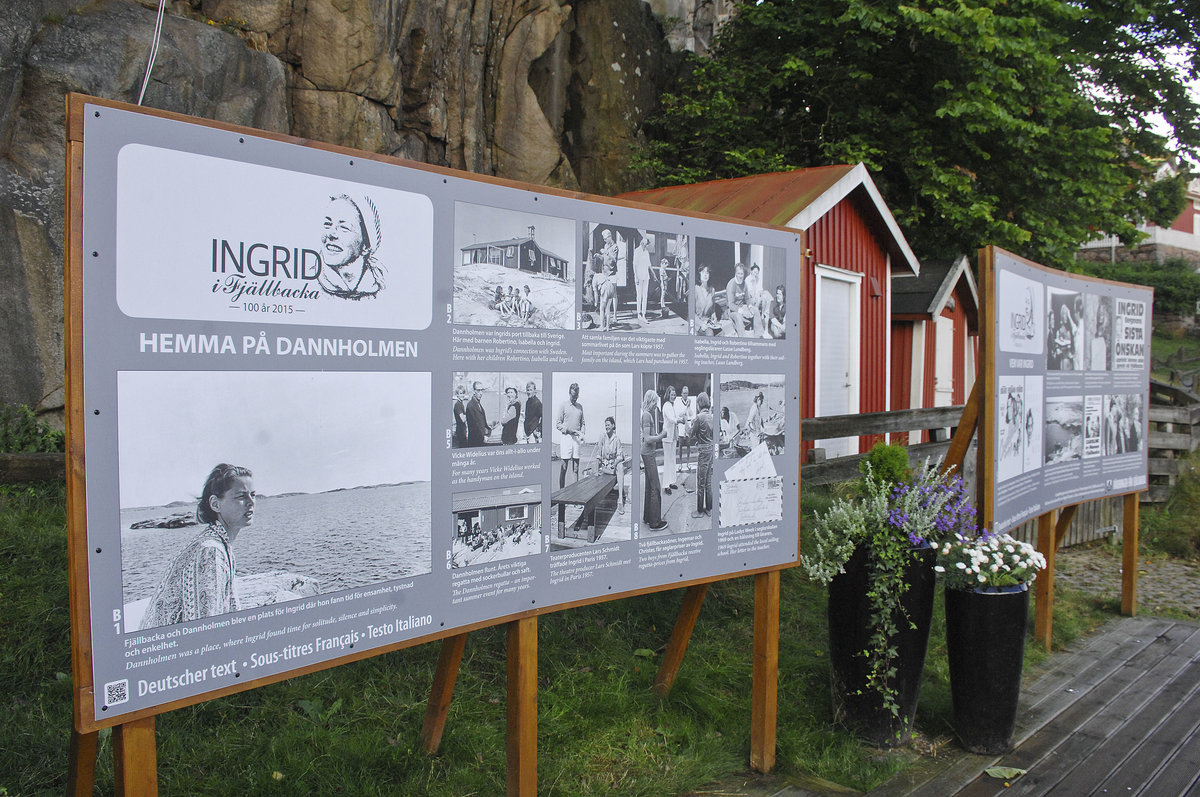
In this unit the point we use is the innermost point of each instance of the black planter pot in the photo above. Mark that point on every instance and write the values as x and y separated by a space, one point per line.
985 643
850 627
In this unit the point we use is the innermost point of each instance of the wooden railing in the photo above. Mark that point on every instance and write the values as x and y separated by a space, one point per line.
828 471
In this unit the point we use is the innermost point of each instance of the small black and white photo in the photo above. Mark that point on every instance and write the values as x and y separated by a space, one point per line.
740 289
1063 429
513 269
1098 320
1031 443
495 524
1065 331
1019 303
1123 429
678 445
591 458
242 489
752 412
490 408
1010 422
635 280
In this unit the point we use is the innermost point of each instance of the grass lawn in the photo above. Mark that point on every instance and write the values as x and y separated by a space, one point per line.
353 729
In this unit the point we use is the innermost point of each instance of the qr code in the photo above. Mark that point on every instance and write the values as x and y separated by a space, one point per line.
116 692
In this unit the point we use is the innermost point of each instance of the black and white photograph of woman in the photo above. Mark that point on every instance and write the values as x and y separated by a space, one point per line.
634 280
236 491
1098 319
513 269
199 582
591 461
670 441
490 408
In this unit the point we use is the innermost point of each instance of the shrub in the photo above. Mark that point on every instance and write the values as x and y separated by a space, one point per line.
22 433
1174 528
1176 283
888 462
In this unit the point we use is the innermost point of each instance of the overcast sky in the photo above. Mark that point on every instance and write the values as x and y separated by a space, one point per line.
298 432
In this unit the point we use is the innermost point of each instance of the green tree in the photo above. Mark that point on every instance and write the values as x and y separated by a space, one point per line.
1020 123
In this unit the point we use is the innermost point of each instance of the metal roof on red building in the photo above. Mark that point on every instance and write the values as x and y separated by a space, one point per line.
793 199
770 198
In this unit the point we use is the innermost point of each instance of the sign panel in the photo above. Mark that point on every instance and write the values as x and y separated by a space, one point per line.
335 404
1071 388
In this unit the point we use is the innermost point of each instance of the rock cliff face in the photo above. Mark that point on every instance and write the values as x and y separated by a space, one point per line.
537 90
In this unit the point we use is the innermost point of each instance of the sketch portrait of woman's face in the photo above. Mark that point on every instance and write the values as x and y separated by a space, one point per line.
341 234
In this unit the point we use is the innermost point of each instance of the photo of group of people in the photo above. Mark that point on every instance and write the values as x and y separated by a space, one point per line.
752 412
495 524
1123 415
678 438
496 409
740 290
635 280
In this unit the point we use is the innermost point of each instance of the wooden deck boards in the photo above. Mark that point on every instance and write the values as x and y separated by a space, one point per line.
1119 715
1127 721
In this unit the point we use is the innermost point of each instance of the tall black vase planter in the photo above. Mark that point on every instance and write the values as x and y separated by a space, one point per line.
850 627
985 643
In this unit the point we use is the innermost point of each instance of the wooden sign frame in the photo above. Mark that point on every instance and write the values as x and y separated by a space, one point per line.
134 739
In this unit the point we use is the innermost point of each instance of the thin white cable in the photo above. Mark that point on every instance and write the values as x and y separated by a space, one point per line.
158 21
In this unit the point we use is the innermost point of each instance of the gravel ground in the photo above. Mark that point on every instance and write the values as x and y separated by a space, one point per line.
1163 584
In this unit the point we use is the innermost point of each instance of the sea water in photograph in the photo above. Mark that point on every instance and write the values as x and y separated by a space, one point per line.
299 544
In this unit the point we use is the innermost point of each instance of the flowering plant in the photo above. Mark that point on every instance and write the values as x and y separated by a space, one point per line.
891 521
887 517
982 560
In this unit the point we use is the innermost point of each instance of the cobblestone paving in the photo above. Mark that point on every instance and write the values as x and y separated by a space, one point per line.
1162 583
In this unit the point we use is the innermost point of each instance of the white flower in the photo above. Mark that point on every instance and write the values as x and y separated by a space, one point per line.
939 569
982 578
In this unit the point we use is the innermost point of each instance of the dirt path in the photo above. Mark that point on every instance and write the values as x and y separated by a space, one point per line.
1163 584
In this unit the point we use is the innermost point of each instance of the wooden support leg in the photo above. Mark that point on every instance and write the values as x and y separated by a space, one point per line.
693 599
765 686
135 758
522 708
441 692
1129 556
81 769
1043 587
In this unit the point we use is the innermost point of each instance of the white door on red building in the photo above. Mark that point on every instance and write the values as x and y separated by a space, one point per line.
837 347
943 371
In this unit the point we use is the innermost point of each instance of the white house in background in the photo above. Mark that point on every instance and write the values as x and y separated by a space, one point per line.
1180 240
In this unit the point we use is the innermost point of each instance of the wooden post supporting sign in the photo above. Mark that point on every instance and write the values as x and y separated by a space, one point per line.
765 686
522 707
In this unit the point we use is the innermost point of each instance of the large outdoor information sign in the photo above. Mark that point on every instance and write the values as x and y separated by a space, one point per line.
335 404
1070 390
